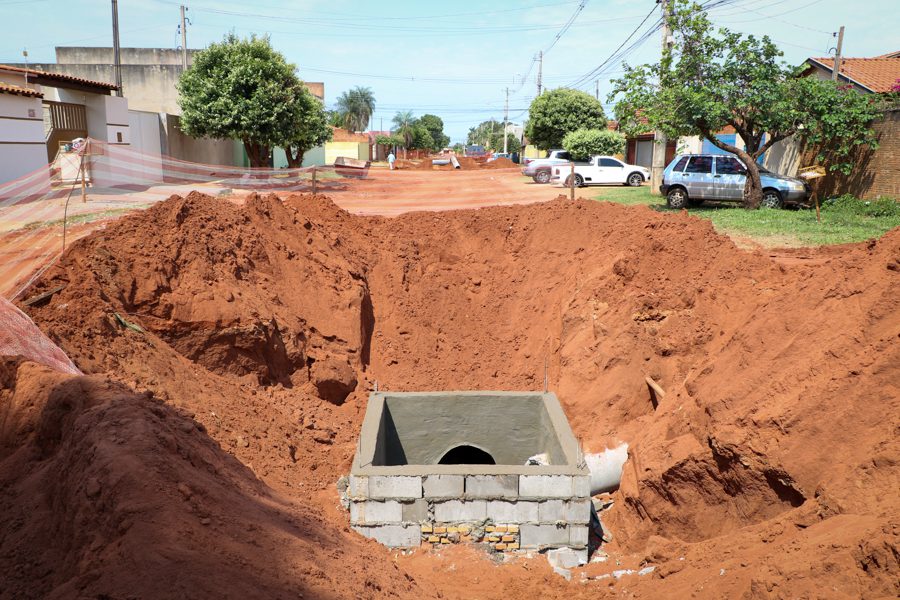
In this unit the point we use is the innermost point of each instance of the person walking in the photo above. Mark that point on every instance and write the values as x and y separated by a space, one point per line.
391 159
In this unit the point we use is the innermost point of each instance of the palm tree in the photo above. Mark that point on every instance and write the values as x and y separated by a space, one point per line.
356 107
404 121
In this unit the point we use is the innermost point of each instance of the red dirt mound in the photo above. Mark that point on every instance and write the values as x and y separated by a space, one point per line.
773 454
499 163
112 494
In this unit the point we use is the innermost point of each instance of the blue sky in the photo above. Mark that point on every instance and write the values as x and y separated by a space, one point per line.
453 59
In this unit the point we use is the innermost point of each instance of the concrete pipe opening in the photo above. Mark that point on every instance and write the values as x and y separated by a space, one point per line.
465 454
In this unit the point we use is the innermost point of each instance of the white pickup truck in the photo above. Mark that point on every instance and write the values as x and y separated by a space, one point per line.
601 169
540 169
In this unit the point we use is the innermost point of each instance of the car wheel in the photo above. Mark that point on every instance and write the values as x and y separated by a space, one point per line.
635 179
579 180
772 199
542 177
677 198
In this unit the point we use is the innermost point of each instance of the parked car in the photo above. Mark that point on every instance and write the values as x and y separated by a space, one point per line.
694 178
602 169
476 150
540 169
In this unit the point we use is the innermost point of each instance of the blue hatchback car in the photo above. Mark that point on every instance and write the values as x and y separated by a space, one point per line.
690 179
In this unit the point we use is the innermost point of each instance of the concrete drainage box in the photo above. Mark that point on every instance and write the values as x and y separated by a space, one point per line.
423 472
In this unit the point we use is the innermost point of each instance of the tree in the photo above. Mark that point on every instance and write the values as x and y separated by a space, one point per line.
561 111
311 129
404 127
243 89
490 135
355 108
712 79
421 137
584 143
435 127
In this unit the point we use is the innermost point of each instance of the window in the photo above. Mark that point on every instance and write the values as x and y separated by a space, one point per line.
679 166
699 164
610 162
729 165
563 156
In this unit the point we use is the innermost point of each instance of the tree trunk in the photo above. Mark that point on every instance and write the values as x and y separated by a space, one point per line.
752 196
295 161
257 153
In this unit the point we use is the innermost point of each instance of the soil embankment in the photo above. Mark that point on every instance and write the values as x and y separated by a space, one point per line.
769 469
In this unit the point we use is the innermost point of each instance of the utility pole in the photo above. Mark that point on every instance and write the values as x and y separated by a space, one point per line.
837 55
660 142
506 122
117 60
597 90
540 70
184 64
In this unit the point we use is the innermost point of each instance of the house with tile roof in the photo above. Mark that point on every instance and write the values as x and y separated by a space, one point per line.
40 112
876 75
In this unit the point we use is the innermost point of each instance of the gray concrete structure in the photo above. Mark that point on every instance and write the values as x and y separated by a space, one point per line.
510 505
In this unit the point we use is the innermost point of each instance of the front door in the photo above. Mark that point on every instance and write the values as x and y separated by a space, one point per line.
610 171
698 177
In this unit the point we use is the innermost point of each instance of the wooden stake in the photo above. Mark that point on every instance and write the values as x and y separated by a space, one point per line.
83 186
314 179
572 182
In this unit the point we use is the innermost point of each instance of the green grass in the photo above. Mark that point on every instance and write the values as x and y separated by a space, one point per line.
85 217
847 220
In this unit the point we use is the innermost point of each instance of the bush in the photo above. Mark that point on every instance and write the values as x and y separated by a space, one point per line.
849 204
555 113
584 143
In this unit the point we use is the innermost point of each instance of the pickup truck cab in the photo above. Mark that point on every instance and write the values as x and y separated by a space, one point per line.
539 169
600 170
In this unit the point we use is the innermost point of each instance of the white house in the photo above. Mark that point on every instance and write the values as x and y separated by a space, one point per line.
40 112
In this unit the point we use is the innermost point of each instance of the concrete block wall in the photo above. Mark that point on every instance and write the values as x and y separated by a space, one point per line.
509 512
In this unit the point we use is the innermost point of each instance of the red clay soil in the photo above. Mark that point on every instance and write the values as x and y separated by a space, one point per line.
499 163
768 470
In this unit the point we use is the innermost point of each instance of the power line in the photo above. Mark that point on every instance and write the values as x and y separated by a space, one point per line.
786 22
567 25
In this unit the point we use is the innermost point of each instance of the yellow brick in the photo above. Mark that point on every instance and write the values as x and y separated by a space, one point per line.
453 530
500 528
440 530
434 539
445 541
513 546
466 538
464 529
493 538
427 528
513 529
490 528
500 546
508 538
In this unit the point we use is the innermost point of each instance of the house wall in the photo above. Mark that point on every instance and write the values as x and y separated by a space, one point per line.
875 172
356 150
22 147
177 144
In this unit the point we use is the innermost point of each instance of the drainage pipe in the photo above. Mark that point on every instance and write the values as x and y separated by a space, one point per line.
606 468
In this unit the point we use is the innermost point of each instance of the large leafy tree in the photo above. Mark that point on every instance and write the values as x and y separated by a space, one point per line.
435 126
243 89
554 114
355 108
584 143
714 78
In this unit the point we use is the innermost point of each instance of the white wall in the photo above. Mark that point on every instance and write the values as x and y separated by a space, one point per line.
22 147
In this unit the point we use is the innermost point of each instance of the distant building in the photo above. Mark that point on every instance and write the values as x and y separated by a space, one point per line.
149 75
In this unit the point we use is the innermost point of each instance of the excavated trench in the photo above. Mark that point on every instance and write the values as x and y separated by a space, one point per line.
267 309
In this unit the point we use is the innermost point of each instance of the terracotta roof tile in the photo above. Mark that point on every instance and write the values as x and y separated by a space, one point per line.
878 74
59 77
6 88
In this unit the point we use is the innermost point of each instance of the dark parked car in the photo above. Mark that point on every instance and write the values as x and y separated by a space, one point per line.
693 178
